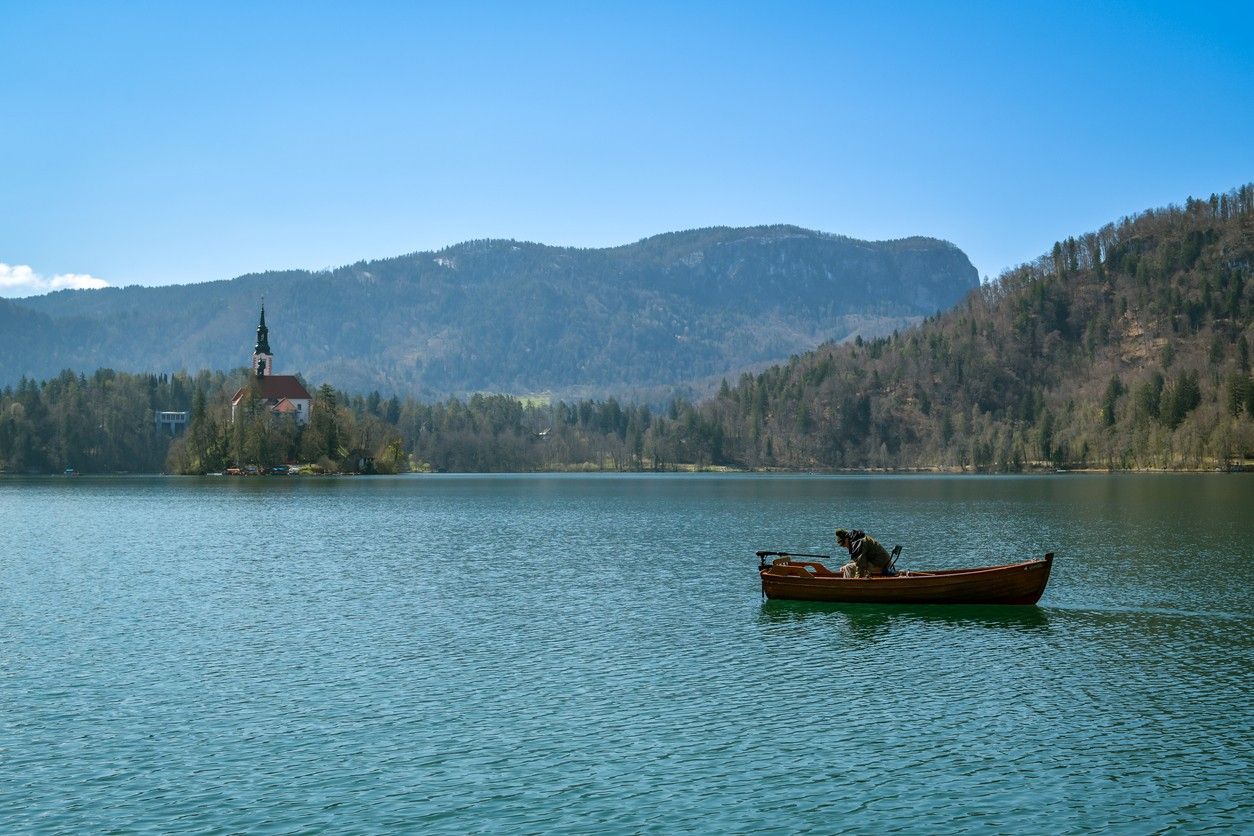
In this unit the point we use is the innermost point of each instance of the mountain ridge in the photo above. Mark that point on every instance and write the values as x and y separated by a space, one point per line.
514 316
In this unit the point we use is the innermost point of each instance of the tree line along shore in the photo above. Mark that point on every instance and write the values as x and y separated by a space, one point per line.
1127 348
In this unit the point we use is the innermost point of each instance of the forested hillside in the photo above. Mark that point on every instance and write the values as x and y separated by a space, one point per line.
1128 347
103 423
97 424
642 320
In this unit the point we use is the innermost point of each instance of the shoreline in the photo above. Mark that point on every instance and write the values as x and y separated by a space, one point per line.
1246 467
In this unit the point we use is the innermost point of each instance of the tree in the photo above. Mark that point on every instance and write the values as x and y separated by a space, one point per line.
1114 390
1179 399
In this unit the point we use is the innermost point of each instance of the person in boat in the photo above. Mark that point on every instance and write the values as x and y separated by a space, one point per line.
866 556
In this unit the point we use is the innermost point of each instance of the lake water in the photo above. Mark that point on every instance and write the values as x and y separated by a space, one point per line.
591 653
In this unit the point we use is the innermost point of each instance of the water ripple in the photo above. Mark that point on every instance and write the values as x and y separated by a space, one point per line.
591 654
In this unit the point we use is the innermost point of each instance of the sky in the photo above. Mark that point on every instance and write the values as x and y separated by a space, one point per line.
158 143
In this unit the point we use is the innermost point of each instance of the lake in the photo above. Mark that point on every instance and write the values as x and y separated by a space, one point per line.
574 653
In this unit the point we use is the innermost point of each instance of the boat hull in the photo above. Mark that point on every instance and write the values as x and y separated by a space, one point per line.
1016 583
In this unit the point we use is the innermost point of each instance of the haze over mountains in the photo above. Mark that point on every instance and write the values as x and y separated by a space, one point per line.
678 309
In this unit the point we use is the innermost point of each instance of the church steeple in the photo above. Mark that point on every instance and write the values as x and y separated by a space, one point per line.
263 360
280 395
263 334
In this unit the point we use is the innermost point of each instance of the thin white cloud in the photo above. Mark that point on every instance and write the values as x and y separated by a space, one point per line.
20 280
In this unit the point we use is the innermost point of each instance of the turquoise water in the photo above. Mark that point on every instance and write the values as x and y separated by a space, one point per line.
591 653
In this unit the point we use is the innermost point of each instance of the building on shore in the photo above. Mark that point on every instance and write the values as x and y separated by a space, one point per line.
170 421
282 395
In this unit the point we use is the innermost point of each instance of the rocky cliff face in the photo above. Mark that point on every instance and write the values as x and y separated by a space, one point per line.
674 309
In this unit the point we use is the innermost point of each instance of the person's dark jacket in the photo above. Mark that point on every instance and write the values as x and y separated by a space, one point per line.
868 551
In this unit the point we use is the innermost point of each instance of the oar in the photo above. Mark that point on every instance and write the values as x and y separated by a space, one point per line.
791 554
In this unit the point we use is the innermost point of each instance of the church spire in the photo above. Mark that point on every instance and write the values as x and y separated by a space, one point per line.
263 334
263 360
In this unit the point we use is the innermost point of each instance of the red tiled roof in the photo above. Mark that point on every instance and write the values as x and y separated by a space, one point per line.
285 406
276 387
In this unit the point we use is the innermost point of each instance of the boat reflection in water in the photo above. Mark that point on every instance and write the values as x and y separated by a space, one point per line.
870 623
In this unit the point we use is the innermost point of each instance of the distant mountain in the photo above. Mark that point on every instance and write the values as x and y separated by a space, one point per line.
682 308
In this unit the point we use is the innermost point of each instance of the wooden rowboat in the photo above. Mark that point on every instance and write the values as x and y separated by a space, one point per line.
807 580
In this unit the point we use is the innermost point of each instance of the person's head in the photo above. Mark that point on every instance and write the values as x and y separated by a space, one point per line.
842 537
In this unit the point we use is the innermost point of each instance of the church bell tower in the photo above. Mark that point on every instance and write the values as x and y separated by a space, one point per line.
263 360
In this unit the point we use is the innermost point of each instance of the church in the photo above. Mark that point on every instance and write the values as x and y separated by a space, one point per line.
281 394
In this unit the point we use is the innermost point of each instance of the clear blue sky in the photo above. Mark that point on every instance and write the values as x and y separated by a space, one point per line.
158 142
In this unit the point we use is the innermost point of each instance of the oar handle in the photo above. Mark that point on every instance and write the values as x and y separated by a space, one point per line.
792 554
